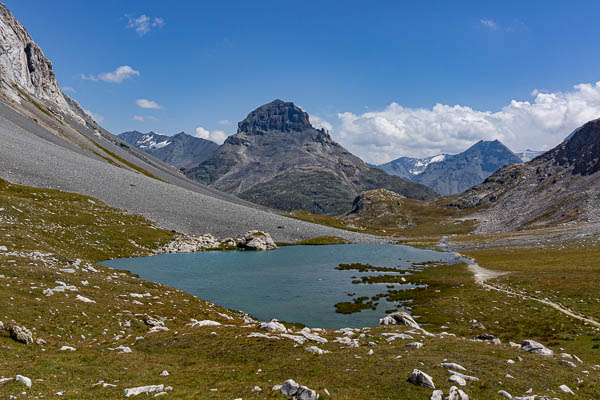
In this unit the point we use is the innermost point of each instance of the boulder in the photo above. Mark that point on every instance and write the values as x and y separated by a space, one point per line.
21 334
420 378
289 388
505 394
566 389
399 318
143 389
534 347
257 240
451 365
486 336
315 350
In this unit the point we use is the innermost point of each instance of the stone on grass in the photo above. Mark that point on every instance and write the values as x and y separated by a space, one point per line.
65 348
21 334
459 380
24 380
534 347
566 389
456 394
206 322
437 395
465 377
143 389
164 373
420 378
273 326
311 336
453 366
304 393
414 345
315 350
84 299
289 388
505 394
399 318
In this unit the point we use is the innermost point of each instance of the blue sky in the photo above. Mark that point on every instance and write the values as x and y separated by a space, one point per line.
374 71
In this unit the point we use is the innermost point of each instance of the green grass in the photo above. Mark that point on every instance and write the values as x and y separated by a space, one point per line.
67 227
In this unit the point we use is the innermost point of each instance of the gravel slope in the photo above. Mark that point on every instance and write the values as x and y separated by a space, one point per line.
29 155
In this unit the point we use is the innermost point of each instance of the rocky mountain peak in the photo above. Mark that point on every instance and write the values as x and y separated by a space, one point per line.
581 150
278 116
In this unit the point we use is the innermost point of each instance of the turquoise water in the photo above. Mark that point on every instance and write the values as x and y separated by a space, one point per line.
293 284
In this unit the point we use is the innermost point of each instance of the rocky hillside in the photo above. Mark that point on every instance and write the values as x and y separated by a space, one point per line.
181 150
450 174
278 159
559 186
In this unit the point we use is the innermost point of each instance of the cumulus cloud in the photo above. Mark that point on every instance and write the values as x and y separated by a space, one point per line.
320 123
145 103
217 136
540 124
117 76
95 116
143 118
489 23
224 121
144 24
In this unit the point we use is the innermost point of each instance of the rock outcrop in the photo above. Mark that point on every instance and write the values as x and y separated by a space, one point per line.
420 378
252 240
399 318
278 159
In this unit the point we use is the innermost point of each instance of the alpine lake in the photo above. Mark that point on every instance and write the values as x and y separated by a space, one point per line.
328 286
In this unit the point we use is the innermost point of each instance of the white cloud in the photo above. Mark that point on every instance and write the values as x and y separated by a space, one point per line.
145 103
489 23
217 136
144 24
117 76
320 123
224 121
142 118
95 116
396 131
69 89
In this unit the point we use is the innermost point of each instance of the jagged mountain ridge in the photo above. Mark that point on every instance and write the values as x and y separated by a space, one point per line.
181 150
278 159
450 174
558 186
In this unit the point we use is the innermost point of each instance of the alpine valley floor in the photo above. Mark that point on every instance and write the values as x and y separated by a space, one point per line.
104 331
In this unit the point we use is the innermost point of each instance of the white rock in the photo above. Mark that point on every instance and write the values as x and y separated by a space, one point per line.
315 350
124 349
295 338
457 394
206 322
256 389
399 318
437 395
453 366
273 326
304 393
566 389
84 299
65 348
23 379
311 336
414 345
164 373
505 394
459 380
466 377
534 347
143 389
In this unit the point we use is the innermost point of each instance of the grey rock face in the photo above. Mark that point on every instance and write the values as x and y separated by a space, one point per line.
289 388
21 334
279 160
257 240
420 378
181 150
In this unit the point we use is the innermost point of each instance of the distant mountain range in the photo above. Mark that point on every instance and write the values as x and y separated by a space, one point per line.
561 185
450 174
278 159
181 150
